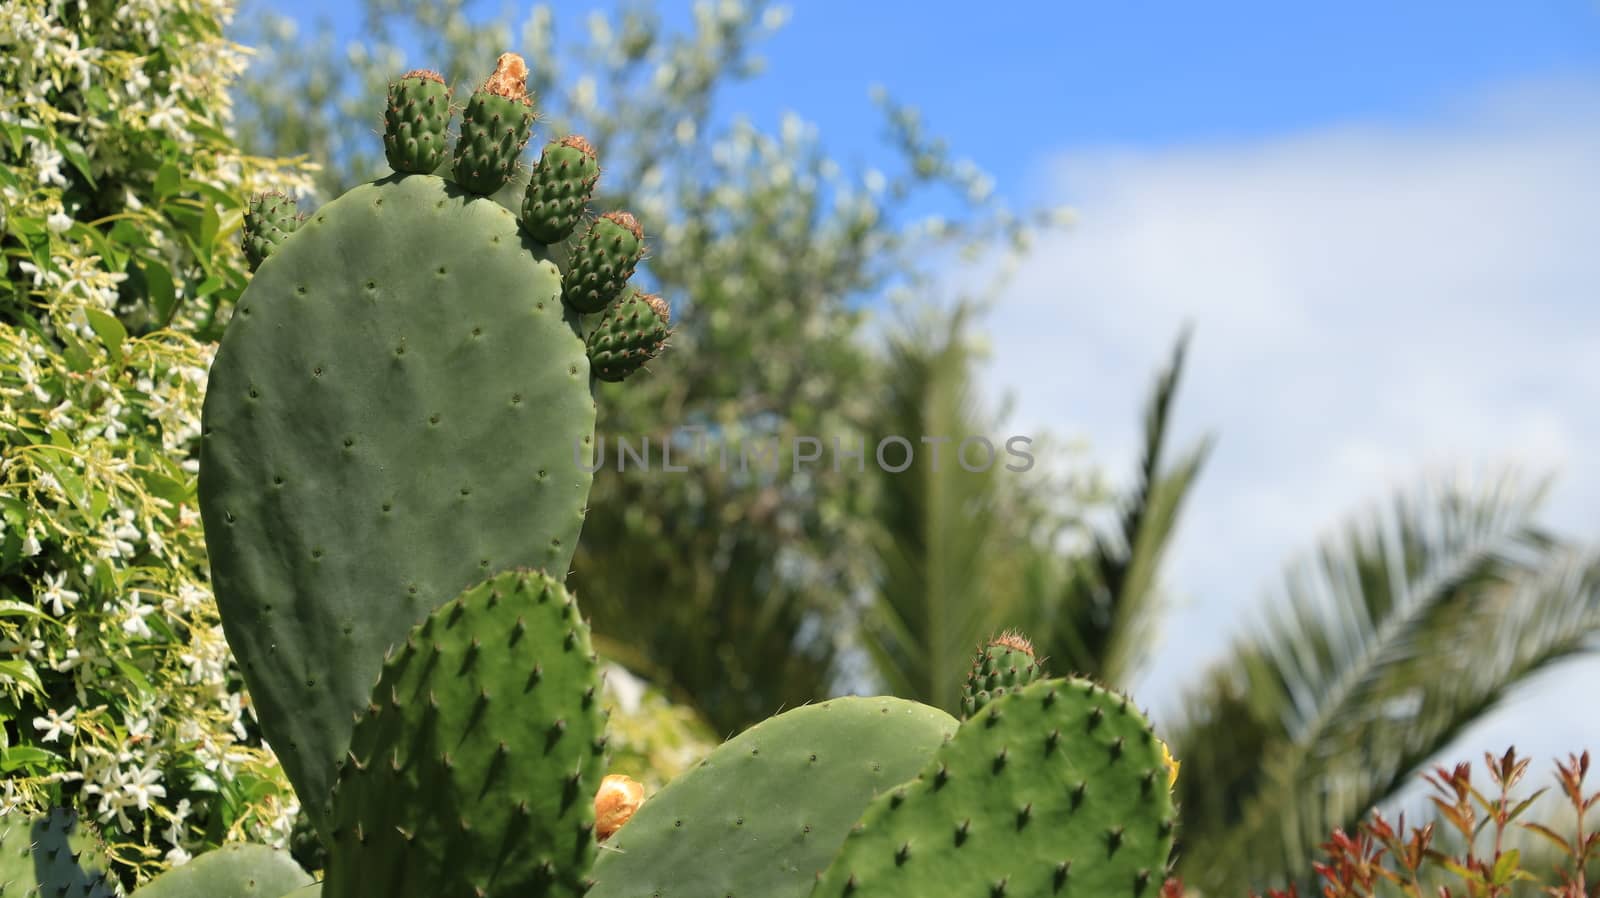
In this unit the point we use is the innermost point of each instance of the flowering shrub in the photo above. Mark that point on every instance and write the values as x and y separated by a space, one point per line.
121 190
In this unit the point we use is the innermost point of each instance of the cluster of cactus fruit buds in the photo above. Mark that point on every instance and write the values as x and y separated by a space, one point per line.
390 504
268 221
495 127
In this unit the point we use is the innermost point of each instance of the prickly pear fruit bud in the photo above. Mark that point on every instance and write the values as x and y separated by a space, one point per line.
1172 765
559 188
269 219
416 122
603 261
1006 664
614 804
495 127
632 333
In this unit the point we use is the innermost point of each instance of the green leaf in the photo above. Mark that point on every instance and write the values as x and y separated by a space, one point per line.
134 676
128 234
210 226
78 361
109 330
21 673
209 286
70 482
1505 869
75 155
13 608
166 180
211 192
16 758
159 287
175 491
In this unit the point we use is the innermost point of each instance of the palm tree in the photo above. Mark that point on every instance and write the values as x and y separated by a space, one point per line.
1407 626
1383 646
1096 616
940 529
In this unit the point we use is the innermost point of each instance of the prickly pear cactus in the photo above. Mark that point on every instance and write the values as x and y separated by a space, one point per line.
558 188
763 814
269 219
1006 664
416 123
232 871
630 333
474 770
54 856
1057 790
604 261
495 127
398 409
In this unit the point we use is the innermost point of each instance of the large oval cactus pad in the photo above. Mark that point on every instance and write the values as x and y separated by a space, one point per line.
762 815
391 416
55 855
473 771
235 870
1056 790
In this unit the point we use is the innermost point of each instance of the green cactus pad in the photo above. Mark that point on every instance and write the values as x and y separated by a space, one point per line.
603 261
232 871
54 856
391 416
559 189
269 219
416 123
1057 790
762 815
631 333
1006 664
494 128
311 891
474 770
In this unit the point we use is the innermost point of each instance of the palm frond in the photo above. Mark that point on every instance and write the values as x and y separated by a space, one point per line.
1105 612
939 526
1382 647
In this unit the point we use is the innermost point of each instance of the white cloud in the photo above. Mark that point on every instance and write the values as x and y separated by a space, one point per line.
1370 302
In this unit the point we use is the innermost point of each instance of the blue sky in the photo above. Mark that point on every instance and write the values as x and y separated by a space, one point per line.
1380 217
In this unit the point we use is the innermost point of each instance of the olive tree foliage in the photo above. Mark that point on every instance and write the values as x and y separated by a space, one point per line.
728 582
120 190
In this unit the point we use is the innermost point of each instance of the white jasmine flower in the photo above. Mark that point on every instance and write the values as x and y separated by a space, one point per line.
56 725
56 596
